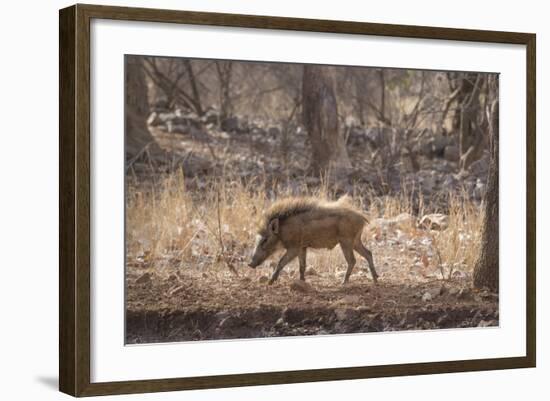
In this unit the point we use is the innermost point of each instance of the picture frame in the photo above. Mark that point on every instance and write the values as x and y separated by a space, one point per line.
76 200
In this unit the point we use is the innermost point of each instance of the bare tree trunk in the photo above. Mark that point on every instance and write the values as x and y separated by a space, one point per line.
193 82
471 136
382 77
225 70
466 122
320 118
137 136
463 84
360 79
486 272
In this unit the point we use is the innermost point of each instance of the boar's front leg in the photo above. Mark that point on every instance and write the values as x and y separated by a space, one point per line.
287 257
302 259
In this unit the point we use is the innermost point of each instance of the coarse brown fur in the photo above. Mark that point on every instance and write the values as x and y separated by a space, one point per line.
289 207
300 223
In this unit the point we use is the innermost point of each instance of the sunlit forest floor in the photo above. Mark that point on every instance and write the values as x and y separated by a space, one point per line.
191 229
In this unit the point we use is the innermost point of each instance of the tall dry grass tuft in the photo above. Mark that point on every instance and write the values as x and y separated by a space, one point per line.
459 244
159 220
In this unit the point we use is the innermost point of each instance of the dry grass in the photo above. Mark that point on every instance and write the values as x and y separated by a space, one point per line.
213 227
459 244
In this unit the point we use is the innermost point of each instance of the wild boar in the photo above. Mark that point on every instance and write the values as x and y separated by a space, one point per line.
296 224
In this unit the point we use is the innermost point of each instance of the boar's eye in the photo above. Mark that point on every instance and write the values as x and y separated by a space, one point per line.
263 241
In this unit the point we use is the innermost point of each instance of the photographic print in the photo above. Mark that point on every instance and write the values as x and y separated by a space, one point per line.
267 199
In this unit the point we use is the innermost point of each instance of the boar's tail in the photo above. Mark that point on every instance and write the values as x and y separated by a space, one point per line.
346 202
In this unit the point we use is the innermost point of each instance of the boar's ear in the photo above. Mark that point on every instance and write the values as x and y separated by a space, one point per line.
274 226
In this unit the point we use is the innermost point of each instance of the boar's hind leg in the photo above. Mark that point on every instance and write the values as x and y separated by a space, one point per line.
364 252
287 257
347 250
302 259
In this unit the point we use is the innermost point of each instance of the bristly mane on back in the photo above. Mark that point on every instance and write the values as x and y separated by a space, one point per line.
288 207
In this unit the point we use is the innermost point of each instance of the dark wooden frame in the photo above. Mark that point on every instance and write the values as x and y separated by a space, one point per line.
74 199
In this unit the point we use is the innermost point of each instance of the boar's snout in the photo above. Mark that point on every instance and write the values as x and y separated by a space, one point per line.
257 259
266 244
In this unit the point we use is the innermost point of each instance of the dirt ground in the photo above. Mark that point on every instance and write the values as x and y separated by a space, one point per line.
194 305
171 298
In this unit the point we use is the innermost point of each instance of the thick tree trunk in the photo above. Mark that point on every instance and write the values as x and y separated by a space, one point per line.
320 118
137 134
486 270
